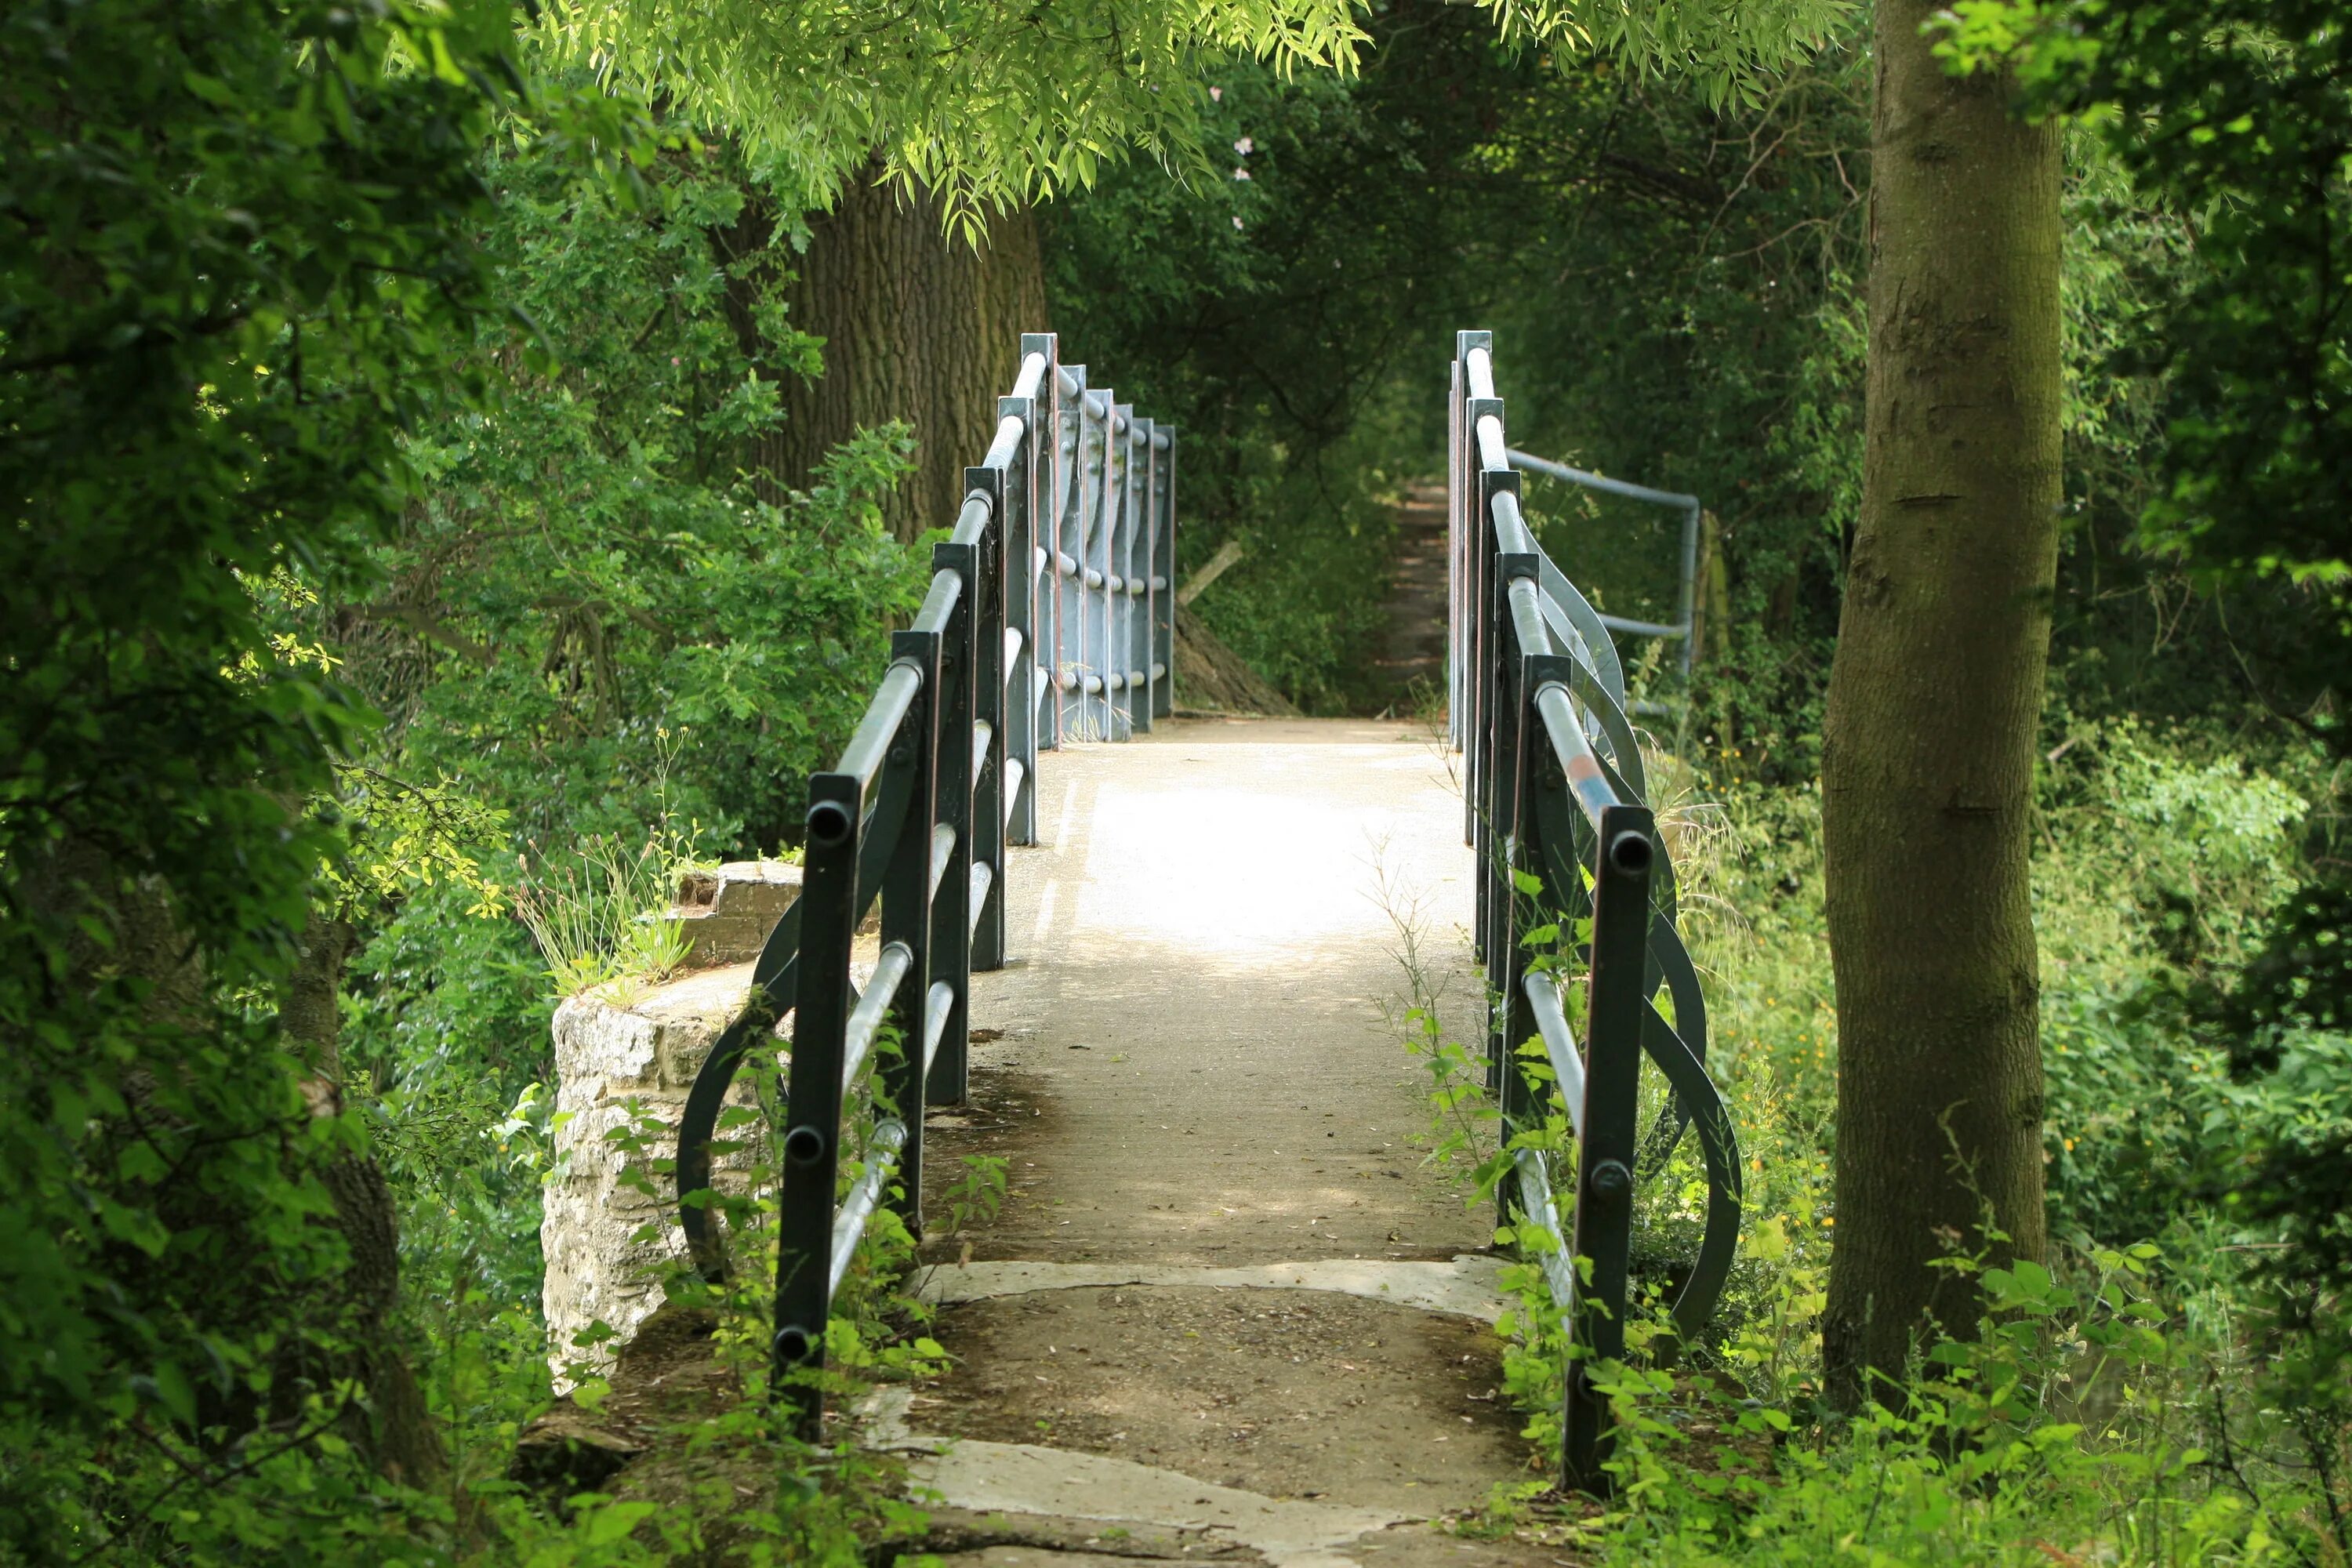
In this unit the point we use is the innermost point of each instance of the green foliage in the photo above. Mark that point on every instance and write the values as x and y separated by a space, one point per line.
992 103
1723 48
2238 115
236 271
1284 315
592 564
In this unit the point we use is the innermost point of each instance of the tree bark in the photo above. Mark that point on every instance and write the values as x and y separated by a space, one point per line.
1934 707
918 325
400 1436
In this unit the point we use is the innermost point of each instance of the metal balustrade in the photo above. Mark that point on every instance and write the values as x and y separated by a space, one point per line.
1051 616
1691 509
1554 802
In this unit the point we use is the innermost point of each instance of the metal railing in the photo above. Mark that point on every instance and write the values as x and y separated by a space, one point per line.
1054 583
1554 793
1688 505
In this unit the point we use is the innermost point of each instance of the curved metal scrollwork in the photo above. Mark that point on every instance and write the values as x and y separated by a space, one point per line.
1557 788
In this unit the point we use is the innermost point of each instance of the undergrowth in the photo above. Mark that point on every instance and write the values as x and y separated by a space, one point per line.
2156 1402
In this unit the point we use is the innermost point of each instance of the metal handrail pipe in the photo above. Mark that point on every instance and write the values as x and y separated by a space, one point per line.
873 1006
1159 440
1577 759
1692 509
1160 584
1534 1201
1492 456
1630 491
947 587
1065 565
983 732
1560 1042
1642 628
1134 586
1117 583
869 746
1013 773
1527 617
1158 670
973 521
938 1003
943 842
1115 681
857 1210
1012 649
1092 683
1009 431
1481 365
1093 578
982 879
1033 371
1096 404
1512 534
1135 678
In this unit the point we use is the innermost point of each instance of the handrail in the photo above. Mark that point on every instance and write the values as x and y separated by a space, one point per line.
938 779
1555 788
1692 509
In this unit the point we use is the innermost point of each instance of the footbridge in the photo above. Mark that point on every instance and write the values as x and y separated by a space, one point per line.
1189 983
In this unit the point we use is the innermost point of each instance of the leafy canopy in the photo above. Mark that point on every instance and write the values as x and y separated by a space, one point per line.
1004 102
993 101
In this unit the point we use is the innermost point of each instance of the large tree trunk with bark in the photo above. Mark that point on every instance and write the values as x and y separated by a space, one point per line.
1934 708
918 325
398 1434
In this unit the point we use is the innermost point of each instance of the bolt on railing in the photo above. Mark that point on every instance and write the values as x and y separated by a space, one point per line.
1554 809
1055 582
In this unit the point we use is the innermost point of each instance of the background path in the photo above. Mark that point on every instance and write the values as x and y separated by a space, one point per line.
1413 648
1190 1331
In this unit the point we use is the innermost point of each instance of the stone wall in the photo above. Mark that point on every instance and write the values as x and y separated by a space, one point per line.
608 1054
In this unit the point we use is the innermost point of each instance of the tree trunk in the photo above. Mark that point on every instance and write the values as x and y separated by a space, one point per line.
918 325
400 1436
1934 707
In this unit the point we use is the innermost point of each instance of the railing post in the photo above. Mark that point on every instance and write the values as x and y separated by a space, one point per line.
1470 591
1453 555
1163 580
991 706
1024 500
1098 480
1604 1186
907 911
1506 959
1070 543
1140 538
812 1151
950 895
1540 805
1118 542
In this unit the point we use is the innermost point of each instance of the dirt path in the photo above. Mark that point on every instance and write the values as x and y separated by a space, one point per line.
1412 650
1225 1312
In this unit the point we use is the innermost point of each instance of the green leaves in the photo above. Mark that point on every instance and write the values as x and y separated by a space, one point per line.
990 102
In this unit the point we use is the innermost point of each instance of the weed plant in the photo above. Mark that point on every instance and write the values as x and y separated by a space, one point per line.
2153 1401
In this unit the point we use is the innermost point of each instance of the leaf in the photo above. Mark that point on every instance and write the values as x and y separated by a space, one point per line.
611 1522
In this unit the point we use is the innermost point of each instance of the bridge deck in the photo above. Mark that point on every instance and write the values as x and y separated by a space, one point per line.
1186 1323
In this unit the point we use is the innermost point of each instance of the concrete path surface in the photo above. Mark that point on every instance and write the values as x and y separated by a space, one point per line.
1226 1311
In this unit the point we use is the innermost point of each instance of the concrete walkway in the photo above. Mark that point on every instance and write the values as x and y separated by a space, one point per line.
1225 1312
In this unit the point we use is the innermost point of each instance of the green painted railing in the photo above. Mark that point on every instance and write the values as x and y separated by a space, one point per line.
1555 810
1051 615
